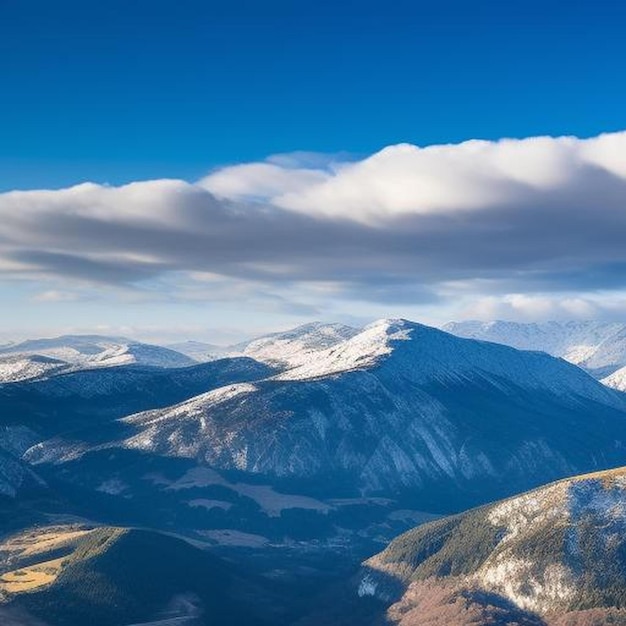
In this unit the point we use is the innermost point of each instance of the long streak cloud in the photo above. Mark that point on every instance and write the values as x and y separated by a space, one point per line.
530 215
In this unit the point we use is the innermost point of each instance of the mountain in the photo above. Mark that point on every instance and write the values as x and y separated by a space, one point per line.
401 406
295 473
282 349
17 367
555 556
198 350
297 346
599 347
98 351
392 426
76 573
617 380
78 401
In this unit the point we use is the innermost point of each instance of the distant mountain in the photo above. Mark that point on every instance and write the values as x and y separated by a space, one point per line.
17 367
88 351
599 347
77 574
281 349
198 350
297 346
555 556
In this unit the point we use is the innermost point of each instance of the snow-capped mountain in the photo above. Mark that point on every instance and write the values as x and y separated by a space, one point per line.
399 407
16 367
84 351
553 556
599 347
297 346
617 380
283 349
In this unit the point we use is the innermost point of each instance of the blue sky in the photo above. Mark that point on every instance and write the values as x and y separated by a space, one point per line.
117 92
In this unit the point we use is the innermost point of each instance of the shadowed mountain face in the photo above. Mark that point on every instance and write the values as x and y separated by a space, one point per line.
553 556
85 404
84 398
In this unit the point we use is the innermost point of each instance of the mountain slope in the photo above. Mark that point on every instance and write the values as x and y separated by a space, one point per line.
15 475
18 367
297 346
556 555
599 347
79 404
99 351
617 380
72 575
400 407
81 399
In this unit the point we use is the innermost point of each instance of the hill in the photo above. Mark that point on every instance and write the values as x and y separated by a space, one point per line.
70 575
553 556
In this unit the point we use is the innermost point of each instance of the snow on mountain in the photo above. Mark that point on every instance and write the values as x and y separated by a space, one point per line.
141 354
609 356
424 354
401 406
617 380
19 367
98 351
297 346
599 347
553 553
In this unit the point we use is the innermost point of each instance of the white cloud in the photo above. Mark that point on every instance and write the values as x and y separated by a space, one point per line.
406 225
261 180
539 307
55 295
407 179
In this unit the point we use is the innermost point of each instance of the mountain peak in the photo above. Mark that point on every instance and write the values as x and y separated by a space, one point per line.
296 347
361 351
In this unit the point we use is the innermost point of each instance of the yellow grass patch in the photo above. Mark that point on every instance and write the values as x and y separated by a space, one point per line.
32 543
32 577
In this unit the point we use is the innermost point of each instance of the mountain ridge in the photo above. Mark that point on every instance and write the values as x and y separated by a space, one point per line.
599 347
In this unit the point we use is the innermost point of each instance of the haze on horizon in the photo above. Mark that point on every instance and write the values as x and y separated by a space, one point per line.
169 174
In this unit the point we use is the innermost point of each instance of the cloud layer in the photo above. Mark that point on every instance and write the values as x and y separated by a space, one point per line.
406 224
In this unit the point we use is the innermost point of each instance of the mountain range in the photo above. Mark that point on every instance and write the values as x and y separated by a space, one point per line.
290 465
598 347
36 358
